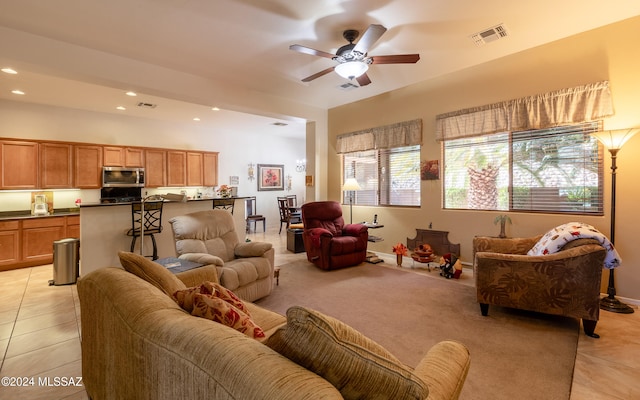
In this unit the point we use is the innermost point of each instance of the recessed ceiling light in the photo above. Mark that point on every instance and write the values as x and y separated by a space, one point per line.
132 94
120 108
196 119
20 92
9 71
215 108
279 124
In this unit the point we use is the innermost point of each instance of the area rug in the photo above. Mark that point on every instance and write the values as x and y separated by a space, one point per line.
514 354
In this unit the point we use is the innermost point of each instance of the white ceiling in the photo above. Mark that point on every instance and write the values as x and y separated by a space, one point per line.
84 53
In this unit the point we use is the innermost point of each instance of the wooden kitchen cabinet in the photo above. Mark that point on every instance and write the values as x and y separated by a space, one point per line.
113 156
38 235
134 157
117 156
18 165
155 168
9 243
87 166
210 169
56 166
73 227
194 169
176 168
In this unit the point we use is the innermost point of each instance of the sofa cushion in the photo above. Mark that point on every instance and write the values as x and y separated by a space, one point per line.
218 310
357 366
186 297
151 272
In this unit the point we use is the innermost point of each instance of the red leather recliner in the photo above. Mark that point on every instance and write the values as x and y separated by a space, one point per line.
329 243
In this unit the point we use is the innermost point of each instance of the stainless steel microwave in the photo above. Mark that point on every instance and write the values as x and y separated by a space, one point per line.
122 177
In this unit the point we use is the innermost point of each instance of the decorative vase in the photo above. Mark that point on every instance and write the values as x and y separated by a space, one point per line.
399 260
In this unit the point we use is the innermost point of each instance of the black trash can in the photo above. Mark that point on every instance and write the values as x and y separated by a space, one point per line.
66 261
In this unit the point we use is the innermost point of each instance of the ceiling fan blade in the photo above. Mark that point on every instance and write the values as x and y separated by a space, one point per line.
396 59
318 74
371 35
363 80
309 50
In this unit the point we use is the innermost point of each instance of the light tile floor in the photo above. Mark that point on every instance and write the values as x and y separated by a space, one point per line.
40 339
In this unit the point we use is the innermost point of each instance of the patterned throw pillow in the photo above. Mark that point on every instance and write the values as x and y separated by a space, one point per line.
225 294
218 310
356 365
186 297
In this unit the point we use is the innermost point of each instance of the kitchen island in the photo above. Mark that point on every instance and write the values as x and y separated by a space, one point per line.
103 230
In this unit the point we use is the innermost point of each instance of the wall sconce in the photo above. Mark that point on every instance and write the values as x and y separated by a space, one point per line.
301 165
289 180
251 171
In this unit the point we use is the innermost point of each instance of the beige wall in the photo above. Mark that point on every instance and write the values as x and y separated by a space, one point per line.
608 53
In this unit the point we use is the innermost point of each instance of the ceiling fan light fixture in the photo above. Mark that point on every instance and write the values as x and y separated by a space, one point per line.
351 69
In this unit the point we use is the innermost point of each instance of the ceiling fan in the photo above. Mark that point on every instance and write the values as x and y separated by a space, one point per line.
353 61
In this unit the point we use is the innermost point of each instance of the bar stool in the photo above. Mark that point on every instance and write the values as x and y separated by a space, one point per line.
152 223
224 204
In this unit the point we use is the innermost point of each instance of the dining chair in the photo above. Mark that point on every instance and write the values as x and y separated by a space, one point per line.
250 212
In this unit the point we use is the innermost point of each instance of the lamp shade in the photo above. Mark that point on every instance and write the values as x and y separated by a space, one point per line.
351 184
351 69
614 139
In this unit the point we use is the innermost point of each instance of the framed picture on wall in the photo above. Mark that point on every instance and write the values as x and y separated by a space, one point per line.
270 177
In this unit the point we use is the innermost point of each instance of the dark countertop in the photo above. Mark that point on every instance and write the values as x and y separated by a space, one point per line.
83 205
26 214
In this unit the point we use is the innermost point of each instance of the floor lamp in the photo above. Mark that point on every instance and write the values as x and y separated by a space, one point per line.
613 141
169 196
351 184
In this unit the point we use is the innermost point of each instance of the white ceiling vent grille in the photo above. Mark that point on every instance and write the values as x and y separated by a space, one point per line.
489 35
147 105
347 86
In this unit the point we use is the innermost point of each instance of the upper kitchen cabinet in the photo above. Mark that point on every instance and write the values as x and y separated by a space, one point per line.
88 166
116 156
210 169
56 166
18 164
155 168
194 169
176 168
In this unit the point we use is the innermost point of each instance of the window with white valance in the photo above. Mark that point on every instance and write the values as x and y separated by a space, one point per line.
562 107
401 134
385 162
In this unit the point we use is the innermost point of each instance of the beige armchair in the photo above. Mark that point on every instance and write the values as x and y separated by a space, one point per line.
565 283
209 238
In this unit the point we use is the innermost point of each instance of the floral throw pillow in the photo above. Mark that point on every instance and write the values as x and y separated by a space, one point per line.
225 294
220 311
186 297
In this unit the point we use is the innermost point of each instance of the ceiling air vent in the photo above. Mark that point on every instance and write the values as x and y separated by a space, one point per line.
489 35
147 105
347 86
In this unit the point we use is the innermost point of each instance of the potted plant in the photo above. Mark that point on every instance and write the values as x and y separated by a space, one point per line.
503 219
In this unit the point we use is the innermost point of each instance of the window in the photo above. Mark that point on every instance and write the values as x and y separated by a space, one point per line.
556 170
386 177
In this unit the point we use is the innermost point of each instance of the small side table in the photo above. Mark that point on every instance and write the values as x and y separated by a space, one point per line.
176 265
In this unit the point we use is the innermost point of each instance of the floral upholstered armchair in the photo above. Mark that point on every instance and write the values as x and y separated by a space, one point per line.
328 241
564 283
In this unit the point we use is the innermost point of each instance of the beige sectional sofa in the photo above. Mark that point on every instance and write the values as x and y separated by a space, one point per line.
137 343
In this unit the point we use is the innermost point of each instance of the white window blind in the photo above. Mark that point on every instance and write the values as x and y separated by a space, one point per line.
556 170
386 176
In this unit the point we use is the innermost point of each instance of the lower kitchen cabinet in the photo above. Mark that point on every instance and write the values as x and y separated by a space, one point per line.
29 242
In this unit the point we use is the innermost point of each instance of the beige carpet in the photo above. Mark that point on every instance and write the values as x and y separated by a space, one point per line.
514 355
